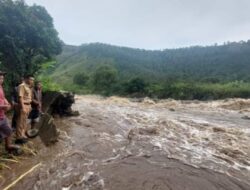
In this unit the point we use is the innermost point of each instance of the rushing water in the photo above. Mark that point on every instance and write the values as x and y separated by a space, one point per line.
122 144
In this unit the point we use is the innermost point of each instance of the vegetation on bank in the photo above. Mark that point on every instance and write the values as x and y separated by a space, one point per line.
180 90
105 81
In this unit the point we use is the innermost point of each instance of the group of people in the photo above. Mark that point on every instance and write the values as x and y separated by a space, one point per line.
27 106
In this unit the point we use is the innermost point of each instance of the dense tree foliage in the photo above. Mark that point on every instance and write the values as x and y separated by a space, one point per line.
81 79
27 37
136 85
104 78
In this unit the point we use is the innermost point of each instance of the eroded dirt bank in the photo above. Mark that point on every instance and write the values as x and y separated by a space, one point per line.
122 144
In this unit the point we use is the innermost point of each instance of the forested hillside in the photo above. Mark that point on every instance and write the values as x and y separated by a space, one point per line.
227 62
193 72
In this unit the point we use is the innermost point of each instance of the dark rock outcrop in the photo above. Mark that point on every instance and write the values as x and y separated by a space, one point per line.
59 103
54 103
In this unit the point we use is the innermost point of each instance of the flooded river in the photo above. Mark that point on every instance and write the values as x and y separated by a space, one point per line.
122 144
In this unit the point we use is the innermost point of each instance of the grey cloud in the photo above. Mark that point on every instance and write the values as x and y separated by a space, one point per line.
150 24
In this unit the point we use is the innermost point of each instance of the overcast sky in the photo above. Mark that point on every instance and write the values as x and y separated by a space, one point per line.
150 24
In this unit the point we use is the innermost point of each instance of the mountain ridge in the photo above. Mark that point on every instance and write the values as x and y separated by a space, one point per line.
228 62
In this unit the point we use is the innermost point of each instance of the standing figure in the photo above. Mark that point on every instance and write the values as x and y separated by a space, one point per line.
25 99
5 129
36 104
15 104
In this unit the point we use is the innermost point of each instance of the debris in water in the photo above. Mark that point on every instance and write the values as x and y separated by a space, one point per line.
246 117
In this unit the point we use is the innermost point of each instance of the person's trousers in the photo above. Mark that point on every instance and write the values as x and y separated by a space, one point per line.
22 124
14 117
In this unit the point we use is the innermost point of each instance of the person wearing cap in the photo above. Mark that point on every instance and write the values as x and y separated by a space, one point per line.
5 129
25 99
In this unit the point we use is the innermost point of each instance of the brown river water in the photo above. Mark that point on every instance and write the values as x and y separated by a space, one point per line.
122 144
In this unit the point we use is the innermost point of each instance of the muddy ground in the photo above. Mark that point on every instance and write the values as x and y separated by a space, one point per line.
122 144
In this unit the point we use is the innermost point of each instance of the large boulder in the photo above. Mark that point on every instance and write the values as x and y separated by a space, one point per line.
54 103
47 129
59 103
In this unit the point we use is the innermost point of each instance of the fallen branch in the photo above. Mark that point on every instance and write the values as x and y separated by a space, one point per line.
22 176
80 153
2 165
29 150
8 160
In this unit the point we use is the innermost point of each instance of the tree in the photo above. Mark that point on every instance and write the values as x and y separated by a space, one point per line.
81 78
136 85
27 37
104 78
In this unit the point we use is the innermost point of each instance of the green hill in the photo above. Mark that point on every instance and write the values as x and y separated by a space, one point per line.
207 65
228 62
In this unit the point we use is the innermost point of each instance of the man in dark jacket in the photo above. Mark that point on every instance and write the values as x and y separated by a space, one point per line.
36 104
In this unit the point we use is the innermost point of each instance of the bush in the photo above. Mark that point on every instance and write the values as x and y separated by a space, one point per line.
81 79
136 86
48 85
104 79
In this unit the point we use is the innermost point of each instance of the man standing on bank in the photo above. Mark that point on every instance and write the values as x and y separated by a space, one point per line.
25 99
5 129
36 104
14 103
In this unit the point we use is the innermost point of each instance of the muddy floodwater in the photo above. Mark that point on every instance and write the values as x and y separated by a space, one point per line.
125 144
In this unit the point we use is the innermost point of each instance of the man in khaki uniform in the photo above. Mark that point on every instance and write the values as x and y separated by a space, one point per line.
25 98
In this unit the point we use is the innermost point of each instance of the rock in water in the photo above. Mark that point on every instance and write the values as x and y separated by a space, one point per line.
246 117
54 103
47 129
59 103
